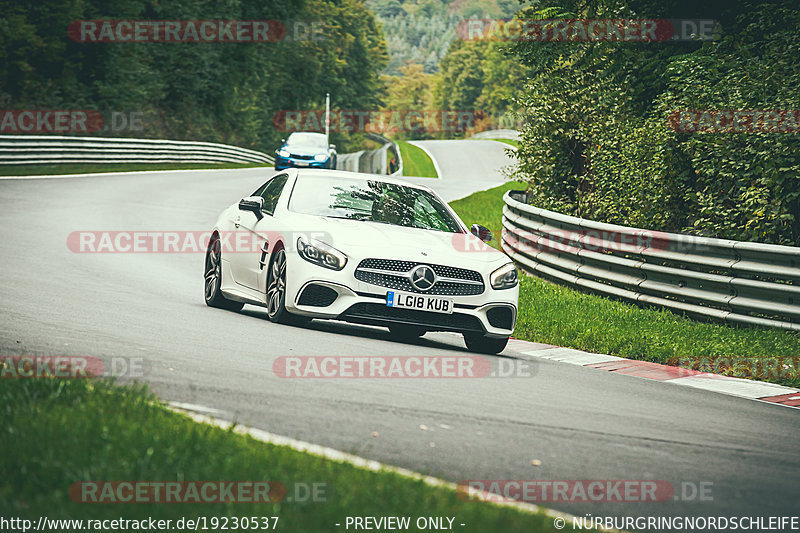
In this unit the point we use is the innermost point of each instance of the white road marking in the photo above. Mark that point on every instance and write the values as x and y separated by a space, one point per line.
573 357
744 388
435 164
360 462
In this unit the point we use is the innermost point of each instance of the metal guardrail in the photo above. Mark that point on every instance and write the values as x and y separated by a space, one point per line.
732 281
370 161
498 134
51 149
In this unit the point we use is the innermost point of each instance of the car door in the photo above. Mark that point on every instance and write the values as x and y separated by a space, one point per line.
252 263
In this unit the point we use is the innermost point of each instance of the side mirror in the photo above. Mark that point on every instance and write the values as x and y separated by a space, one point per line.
253 204
333 147
481 232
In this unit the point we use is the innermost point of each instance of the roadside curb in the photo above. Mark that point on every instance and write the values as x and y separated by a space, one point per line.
211 416
743 388
433 159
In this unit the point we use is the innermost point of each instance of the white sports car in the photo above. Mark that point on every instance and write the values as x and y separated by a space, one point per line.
362 248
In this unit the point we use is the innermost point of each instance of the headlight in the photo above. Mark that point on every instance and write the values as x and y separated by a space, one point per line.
321 157
321 254
504 277
283 153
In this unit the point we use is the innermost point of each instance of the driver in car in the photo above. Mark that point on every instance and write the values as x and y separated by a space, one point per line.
393 210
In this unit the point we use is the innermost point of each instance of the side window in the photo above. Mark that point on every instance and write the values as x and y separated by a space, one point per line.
271 192
260 189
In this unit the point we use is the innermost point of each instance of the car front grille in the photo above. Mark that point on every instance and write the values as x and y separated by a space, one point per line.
297 156
394 274
381 314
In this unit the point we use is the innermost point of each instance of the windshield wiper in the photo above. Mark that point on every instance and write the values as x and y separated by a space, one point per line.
354 217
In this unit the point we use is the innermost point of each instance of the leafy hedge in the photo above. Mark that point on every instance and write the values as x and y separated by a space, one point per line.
598 143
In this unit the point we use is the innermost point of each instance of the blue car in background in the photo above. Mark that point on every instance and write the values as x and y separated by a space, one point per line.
304 149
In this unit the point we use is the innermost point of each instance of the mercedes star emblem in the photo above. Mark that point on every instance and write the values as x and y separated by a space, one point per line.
423 278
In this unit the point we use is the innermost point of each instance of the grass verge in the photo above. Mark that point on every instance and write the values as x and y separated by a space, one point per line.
416 162
56 432
554 314
89 168
510 142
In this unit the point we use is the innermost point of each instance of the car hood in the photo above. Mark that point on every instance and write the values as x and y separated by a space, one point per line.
304 149
360 239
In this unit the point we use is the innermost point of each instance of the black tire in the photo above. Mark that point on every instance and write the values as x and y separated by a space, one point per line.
405 332
276 293
476 342
213 279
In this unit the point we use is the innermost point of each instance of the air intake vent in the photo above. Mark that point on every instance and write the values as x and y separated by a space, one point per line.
317 296
501 317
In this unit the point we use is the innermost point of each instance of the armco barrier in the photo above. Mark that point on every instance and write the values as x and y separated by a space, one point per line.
371 161
49 149
740 282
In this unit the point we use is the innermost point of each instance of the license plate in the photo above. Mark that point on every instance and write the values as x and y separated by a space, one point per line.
420 302
301 163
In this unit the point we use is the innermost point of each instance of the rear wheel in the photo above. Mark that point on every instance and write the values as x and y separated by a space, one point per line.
213 279
477 342
405 332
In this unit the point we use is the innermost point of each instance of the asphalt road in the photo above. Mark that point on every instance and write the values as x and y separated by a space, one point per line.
579 422
465 166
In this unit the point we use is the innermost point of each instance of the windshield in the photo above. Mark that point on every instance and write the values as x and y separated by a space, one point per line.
372 201
313 139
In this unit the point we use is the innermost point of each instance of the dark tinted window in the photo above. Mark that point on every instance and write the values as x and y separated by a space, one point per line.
372 201
271 192
307 139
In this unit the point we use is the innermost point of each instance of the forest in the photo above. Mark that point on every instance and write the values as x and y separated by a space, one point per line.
211 91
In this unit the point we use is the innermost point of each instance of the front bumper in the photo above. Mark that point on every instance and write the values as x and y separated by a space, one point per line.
291 162
344 297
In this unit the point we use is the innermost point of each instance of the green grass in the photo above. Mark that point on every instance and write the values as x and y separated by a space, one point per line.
416 162
555 314
89 168
486 208
510 142
56 432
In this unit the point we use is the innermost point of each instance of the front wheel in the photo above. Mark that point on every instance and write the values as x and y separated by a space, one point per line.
276 293
477 342
213 279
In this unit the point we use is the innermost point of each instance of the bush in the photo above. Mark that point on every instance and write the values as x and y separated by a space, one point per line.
598 145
